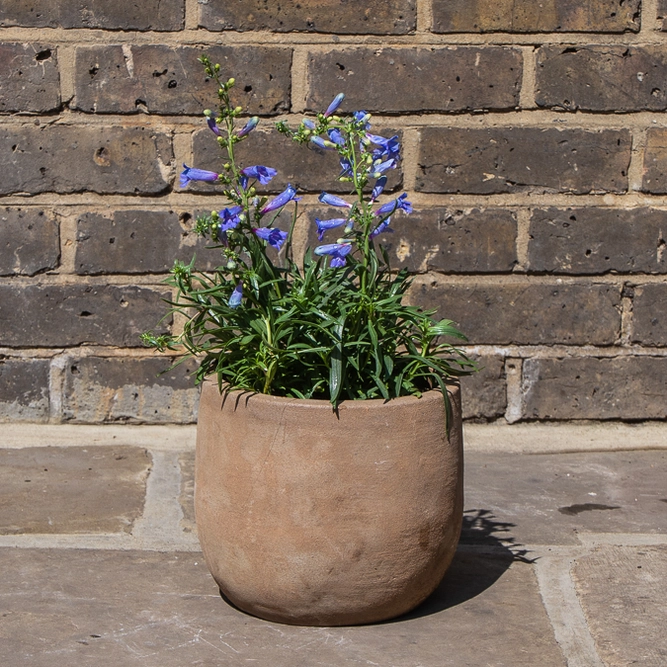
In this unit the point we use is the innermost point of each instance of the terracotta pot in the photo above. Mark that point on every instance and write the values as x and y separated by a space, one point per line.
313 518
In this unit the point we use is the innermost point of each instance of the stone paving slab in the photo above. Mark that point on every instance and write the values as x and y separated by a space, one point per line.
67 490
83 608
623 591
549 499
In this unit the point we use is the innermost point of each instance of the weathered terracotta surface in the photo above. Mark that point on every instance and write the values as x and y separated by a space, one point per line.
310 518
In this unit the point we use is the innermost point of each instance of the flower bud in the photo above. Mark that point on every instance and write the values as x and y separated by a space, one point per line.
238 109
231 82
208 113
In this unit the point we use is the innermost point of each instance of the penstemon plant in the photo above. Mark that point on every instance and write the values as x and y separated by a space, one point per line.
334 327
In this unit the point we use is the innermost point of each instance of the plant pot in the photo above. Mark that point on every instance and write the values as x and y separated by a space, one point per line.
310 517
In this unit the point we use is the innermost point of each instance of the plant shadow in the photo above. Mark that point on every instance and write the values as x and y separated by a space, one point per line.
486 551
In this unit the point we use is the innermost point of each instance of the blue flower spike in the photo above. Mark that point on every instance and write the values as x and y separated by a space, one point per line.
401 203
262 174
283 198
332 108
333 200
324 225
337 251
272 235
229 219
235 298
191 174
248 127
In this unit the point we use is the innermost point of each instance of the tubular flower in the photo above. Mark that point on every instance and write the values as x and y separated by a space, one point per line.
346 167
248 127
362 117
272 235
306 122
322 143
283 198
379 187
334 105
235 298
191 174
333 200
382 227
378 169
400 203
229 219
324 225
337 252
336 136
214 128
262 174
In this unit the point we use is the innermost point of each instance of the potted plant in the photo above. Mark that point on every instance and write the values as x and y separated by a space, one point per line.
329 450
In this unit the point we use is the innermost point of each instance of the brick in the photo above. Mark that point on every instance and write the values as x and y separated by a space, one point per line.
375 17
522 159
593 388
601 78
64 159
308 169
524 313
165 80
136 242
29 78
655 162
611 16
649 314
71 490
29 241
65 315
662 13
108 14
417 79
24 390
597 240
129 390
484 394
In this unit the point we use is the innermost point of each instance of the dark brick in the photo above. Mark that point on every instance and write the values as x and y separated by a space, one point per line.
29 79
165 80
373 17
417 79
65 159
109 14
649 314
129 390
29 242
531 16
135 242
24 390
523 159
662 13
308 169
484 394
65 315
592 388
597 240
602 78
526 314
655 162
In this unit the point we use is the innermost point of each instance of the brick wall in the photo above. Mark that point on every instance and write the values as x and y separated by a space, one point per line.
535 149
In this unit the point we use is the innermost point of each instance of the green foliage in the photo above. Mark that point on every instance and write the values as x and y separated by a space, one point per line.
335 328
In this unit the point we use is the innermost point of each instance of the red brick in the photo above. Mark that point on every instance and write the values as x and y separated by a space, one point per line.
649 314
524 313
30 241
522 159
597 240
416 79
61 158
29 78
66 315
373 17
530 16
165 80
602 78
593 388
109 14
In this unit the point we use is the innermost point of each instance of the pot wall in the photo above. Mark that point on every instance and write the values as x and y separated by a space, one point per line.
309 517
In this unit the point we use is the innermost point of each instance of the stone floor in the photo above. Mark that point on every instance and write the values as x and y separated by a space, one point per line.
562 561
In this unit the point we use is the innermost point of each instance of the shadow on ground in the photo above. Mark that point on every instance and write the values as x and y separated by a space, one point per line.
473 571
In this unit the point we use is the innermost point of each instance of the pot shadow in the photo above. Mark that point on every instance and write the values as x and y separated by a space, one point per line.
486 551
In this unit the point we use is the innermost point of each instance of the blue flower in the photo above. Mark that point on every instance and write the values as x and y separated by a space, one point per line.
262 174
389 148
214 128
382 227
346 167
337 252
192 174
362 117
336 136
334 105
249 126
322 143
272 235
332 200
379 187
229 219
383 166
235 298
283 198
306 122
324 225
390 207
